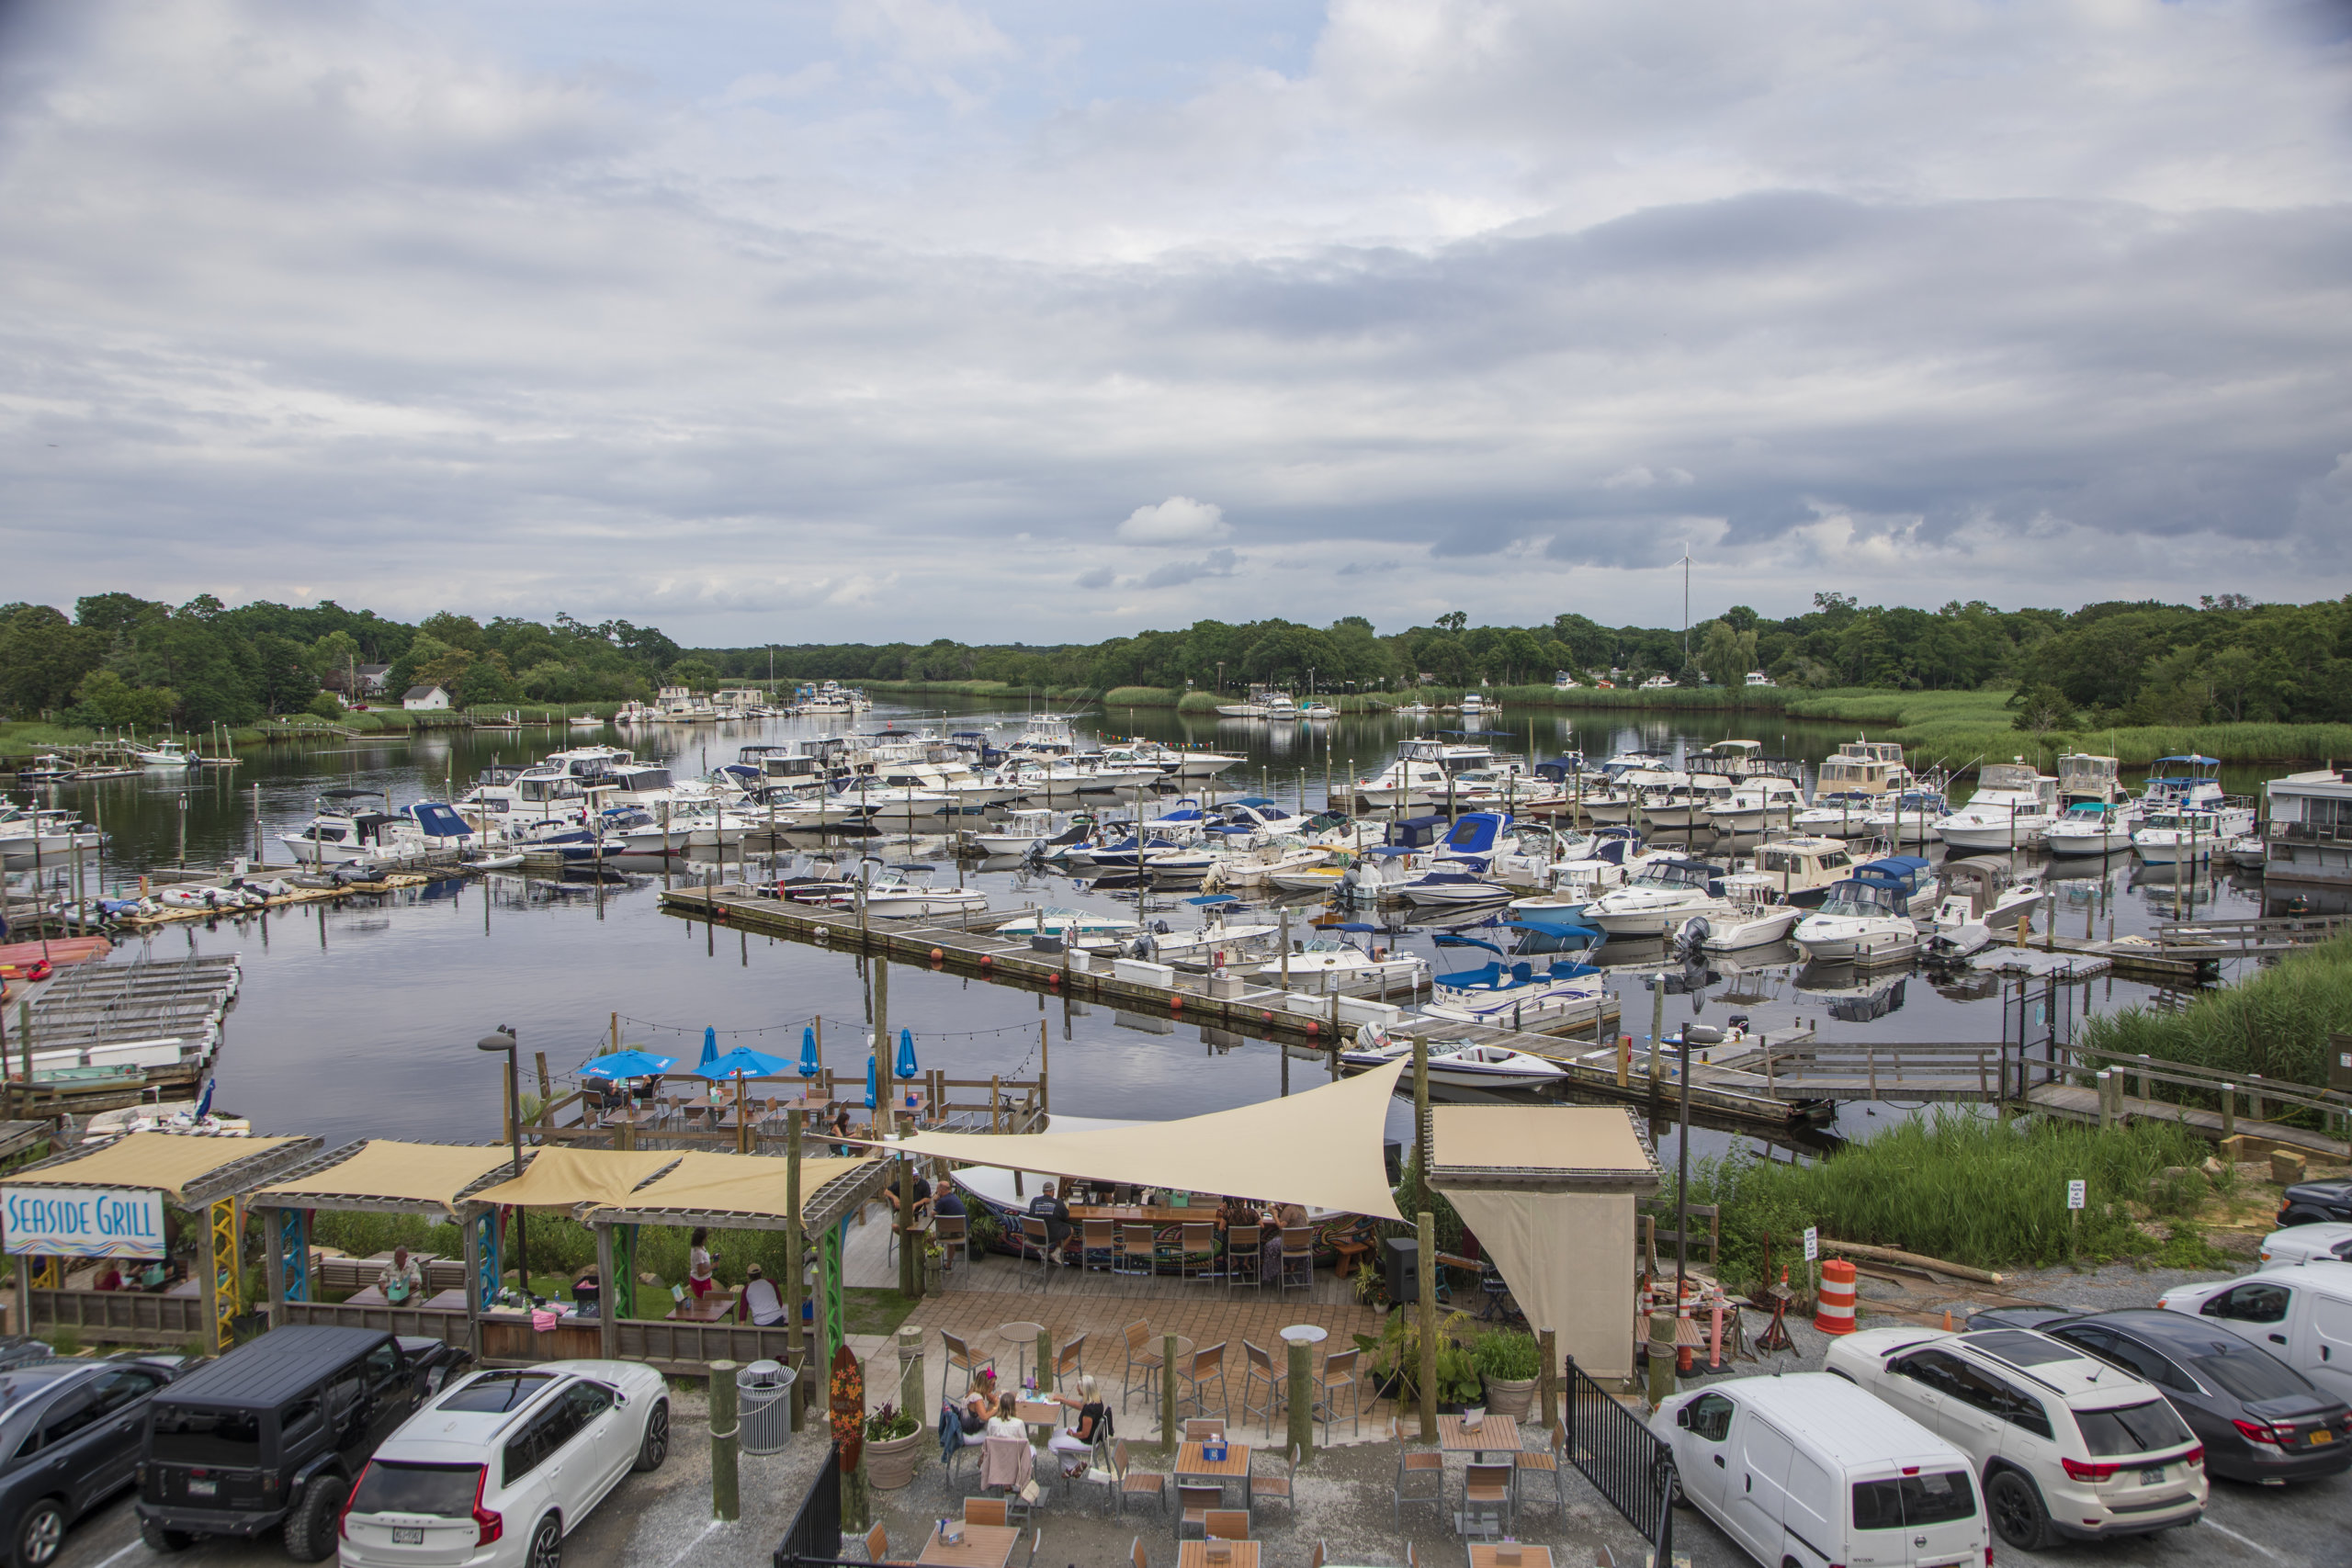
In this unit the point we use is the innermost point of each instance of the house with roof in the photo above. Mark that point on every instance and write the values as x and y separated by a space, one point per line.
426 699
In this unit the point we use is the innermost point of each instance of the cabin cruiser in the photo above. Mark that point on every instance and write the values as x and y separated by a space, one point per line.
1862 767
1907 816
1456 1064
2190 780
1020 832
1263 702
1959 931
1756 803
1419 773
1614 805
2090 829
1688 802
343 830
906 890
2013 803
2087 780
1663 894
1864 920
1758 917
1259 858
1511 991
1845 815
28 835
1330 962
1801 871
1575 885
556 784
1996 893
2187 834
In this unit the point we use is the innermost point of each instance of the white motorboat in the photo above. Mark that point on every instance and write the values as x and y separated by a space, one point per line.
2014 803
1959 931
1862 921
341 830
907 890
2090 829
1687 802
1575 885
27 836
1803 870
1907 816
1862 767
1334 963
162 755
1020 832
1756 803
1457 1064
1070 925
1662 896
2087 780
1219 942
2189 834
1758 917
1419 775
1516 995
2248 852
1846 815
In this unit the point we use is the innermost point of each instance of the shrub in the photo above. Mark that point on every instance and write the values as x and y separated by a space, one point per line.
1507 1353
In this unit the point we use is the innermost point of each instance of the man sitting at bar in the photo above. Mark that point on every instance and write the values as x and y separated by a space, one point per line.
762 1304
1055 1214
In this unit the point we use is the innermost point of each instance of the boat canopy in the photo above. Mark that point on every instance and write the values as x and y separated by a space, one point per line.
2192 759
1417 832
438 821
1475 832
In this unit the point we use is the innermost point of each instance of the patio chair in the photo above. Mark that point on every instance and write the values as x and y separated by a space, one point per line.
1225 1523
1036 1541
1135 1557
1133 1482
1098 1243
1202 1428
1139 1249
1205 1367
955 1235
1070 1361
1486 1499
960 1358
1298 1258
1337 1378
984 1510
1317 1558
1256 1369
1141 1353
1197 1252
1421 1476
1037 1242
1245 1255
1194 1505
1278 1488
878 1545
1549 1461
1007 1464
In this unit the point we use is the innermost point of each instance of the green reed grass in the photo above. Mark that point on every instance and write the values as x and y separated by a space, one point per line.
2276 1022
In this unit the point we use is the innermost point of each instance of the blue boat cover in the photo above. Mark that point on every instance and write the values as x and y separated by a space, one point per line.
1474 832
439 821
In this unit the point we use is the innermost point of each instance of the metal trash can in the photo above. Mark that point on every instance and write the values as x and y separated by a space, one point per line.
763 1405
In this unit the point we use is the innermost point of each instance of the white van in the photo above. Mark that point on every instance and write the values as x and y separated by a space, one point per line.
2329 1240
1807 1468
2301 1313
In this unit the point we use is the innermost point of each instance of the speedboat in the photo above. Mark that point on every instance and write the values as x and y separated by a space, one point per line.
1758 917
1844 815
1996 894
2090 829
1575 885
1756 803
1219 941
1661 897
1330 962
2013 805
2188 834
1456 1064
1907 816
906 890
1070 925
2248 852
1020 832
1959 931
164 754
1864 920
1511 990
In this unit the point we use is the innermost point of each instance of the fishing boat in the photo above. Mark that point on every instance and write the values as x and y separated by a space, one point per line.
1329 962
1803 870
162 755
1759 916
47 768
1959 931
906 890
1072 925
1219 941
1456 1064
1575 883
1020 832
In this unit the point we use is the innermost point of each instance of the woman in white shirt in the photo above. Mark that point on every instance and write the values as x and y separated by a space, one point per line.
1004 1423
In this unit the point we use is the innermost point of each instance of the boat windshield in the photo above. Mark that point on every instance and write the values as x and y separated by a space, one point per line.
1673 873
1865 899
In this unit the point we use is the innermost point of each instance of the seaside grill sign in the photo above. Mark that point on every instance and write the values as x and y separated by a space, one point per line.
83 1222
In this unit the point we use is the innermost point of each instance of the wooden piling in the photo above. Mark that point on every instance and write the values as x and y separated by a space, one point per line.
724 1441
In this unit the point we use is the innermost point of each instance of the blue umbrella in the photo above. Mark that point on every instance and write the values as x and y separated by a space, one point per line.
869 1082
809 1065
745 1063
709 1044
627 1065
907 1068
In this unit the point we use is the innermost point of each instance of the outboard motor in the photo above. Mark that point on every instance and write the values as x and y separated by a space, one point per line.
1691 942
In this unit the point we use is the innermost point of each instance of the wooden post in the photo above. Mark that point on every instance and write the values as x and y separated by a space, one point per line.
725 1427
1549 1382
2229 1110
547 1085
1428 1283
1657 1032
1168 1395
911 1390
796 1344
1301 1434
2106 1110
608 1296
1661 1357
1045 1061
1421 1117
884 1119
1044 1360
910 1266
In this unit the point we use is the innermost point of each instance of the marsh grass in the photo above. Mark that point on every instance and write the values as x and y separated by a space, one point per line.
2277 1024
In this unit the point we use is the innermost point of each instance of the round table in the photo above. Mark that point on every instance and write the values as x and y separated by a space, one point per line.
1024 1335
1313 1333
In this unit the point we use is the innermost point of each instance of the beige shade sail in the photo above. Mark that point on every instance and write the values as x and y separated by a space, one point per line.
166 1162
385 1170
1568 1258
734 1184
1321 1148
565 1178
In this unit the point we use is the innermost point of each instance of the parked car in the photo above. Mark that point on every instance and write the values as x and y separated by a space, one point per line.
2310 1203
2325 1240
2259 1419
499 1468
1809 1462
2302 1315
2065 1446
68 1443
269 1436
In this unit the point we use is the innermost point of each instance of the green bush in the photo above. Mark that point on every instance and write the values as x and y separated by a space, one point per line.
326 705
1507 1353
2276 1022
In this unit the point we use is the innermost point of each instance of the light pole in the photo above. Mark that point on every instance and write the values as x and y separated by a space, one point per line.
503 1040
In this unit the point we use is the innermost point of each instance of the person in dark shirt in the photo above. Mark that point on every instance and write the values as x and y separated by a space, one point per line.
949 1201
1055 1214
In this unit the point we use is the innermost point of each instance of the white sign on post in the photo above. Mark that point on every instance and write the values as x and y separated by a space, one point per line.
1813 1244
2077 1194
83 1222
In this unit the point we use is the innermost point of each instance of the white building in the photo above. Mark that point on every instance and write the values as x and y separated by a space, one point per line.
2309 836
426 699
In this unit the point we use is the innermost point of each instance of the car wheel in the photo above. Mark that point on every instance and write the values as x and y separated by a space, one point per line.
40 1531
158 1538
547 1544
656 1445
1668 1480
2015 1504
310 1529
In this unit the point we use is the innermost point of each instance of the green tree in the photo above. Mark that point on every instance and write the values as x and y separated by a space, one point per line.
105 700
2041 709
43 657
283 678
1726 655
696 673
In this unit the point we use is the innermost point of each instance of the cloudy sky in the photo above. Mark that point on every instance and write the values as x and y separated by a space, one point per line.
1000 318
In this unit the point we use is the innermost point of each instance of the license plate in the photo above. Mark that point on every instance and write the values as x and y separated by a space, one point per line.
203 1488
408 1535
2154 1476
2322 1435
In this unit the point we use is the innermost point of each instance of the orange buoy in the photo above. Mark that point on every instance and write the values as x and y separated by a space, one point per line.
1313 1028
1836 1313
1268 1016
937 956
987 960
1176 1004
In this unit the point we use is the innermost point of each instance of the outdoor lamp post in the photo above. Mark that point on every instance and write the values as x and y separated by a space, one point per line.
503 1040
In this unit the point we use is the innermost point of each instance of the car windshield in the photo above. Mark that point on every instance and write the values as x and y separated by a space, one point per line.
2132 1430
2251 1376
190 1435
1914 1500
448 1491
496 1393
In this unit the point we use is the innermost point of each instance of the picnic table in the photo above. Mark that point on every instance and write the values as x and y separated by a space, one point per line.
1494 1435
1193 1464
715 1307
983 1546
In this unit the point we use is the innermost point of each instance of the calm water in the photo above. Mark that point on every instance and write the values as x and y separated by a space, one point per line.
359 1018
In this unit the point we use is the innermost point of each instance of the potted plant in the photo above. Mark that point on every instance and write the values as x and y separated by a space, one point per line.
985 1229
893 1444
1509 1362
934 1268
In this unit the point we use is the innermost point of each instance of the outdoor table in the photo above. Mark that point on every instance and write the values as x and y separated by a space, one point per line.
444 1301
1192 1466
1195 1554
1023 1338
1313 1334
371 1296
983 1546
715 1307
1494 1435
1483 1554
1039 1413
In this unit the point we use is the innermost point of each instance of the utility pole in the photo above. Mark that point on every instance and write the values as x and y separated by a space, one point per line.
1686 609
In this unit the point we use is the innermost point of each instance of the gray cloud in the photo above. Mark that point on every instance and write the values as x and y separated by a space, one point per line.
1177 573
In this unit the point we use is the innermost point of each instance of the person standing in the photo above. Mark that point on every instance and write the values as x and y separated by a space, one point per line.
698 1274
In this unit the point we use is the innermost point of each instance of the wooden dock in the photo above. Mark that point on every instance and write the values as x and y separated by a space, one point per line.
99 1036
2170 963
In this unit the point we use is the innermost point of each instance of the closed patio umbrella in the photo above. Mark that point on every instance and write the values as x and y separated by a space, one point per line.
907 1068
809 1065
709 1045
869 1081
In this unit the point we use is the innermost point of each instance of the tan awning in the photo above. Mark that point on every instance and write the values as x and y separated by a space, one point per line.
385 1170
734 1184
562 1178
1584 1148
167 1162
1321 1148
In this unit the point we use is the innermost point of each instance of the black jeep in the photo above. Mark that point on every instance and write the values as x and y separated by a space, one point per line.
2308 1203
271 1434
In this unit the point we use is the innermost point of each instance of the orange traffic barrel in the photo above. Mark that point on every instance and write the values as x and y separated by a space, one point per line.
1836 1313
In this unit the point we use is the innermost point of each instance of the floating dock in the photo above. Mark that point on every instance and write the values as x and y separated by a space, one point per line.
101 1035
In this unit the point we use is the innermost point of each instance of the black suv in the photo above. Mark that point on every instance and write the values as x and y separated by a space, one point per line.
271 1434
68 1440
2307 1202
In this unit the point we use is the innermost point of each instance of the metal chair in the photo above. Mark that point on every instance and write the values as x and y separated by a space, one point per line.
954 1234
1037 1242
1298 1258
1098 1239
1550 1462
1244 1254
1196 1251
1204 1367
878 1545
1195 1503
960 1358
1485 1500
1140 1354
1278 1488
1258 1368
1339 1377
1421 1476
1139 1249
1133 1482
1137 1558
1070 1361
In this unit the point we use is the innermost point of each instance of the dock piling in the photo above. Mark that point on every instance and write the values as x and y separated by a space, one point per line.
724 1440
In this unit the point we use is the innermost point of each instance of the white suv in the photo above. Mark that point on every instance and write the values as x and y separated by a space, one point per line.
499 1468
2066 1446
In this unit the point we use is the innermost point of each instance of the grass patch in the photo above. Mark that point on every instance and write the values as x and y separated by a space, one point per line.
870 1309
2276 1022
2185 1249
1143 697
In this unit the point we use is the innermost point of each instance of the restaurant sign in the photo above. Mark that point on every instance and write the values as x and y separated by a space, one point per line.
83 1222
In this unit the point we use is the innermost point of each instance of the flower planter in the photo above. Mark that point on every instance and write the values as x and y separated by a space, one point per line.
890 1463
1511 1397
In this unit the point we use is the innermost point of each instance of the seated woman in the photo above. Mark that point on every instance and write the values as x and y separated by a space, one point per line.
1006 1423
1093 1426
110 1277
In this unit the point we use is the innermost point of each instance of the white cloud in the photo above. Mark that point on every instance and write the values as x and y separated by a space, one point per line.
1179 520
